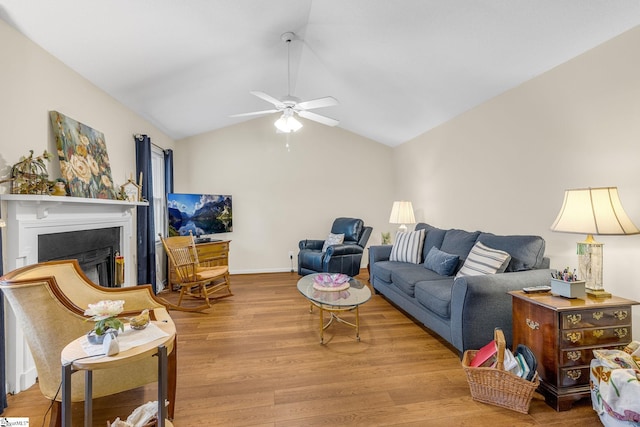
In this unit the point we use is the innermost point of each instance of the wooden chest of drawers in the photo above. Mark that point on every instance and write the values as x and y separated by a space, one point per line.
209 253
563 333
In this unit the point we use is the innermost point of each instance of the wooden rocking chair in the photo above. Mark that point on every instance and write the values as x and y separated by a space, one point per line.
195 279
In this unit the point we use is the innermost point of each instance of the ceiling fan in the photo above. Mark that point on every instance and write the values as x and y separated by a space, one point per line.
290 105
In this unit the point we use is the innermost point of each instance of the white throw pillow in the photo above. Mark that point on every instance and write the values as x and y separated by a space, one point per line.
408 247
483 260
333 239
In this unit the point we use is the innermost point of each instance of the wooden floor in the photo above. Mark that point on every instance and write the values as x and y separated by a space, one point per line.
255 360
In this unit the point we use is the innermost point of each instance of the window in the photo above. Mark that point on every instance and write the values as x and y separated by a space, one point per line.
159 199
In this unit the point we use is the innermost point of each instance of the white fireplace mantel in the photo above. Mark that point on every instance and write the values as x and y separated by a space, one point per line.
27 217
40 204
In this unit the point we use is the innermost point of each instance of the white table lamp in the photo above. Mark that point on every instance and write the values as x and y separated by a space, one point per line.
402 213
593 211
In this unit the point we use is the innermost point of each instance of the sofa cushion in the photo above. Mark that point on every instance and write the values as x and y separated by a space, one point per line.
441 262
382 269
432 239
406 278
527 252
435 295
332 239
459 242
423 226
408 247
484 260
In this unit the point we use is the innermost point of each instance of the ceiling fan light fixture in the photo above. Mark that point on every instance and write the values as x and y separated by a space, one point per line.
289 104
287 123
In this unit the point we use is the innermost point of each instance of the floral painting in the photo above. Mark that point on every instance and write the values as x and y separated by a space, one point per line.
83 158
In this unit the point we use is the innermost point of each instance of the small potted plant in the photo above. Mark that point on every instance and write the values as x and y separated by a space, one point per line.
386 238
104 313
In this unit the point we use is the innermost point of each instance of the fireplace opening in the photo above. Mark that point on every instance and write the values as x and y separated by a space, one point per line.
95 251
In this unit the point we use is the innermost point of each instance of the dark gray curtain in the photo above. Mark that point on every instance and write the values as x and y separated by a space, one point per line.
3 391
146 243
168 171
168 187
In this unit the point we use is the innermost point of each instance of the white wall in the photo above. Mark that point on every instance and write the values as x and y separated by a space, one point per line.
503 166
32 83
281 195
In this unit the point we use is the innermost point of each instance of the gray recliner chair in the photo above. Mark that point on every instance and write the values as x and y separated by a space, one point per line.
342 258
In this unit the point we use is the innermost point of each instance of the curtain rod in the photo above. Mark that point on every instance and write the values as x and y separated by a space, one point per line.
139 136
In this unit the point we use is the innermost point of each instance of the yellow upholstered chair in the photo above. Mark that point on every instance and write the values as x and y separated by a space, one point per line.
49 300
195 279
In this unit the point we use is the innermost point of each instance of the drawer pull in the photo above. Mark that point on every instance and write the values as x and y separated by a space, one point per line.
574 318
621 332
598 333
621 314
574 355
597 315
574 337
533 324
574 374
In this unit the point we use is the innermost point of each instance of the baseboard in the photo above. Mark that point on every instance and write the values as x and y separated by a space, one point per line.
267 270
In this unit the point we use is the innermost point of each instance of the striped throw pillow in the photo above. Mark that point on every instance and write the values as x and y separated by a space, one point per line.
408 247
483 260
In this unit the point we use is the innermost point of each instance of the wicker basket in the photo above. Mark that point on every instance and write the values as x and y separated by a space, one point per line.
497 386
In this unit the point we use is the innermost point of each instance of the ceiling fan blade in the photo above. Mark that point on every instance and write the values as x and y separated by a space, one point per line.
255 113
267 98
327 101
318 118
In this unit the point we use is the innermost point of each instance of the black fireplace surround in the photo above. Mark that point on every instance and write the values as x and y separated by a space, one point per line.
94 249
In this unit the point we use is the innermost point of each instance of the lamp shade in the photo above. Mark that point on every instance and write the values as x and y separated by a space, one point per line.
593 211
402 213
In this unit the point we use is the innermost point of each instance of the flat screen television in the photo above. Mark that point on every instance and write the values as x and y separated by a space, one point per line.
201 214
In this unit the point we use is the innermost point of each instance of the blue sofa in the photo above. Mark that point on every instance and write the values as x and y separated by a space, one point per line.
464 310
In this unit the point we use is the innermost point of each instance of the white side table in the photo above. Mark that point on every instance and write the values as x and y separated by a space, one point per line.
74 358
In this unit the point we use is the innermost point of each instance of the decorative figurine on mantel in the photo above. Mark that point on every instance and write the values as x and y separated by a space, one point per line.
59 189
131 191
30 176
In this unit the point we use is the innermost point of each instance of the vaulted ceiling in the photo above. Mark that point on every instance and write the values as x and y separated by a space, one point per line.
397 67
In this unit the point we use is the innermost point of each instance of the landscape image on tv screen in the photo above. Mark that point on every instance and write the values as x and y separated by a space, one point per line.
199 213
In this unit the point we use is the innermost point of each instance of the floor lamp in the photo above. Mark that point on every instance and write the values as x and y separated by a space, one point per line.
593 211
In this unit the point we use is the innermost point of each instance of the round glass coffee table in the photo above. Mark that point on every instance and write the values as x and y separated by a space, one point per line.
334 302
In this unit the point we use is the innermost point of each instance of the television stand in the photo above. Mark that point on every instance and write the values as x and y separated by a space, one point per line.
206 240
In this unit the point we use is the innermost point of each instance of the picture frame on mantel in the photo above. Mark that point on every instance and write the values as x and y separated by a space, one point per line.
84 163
